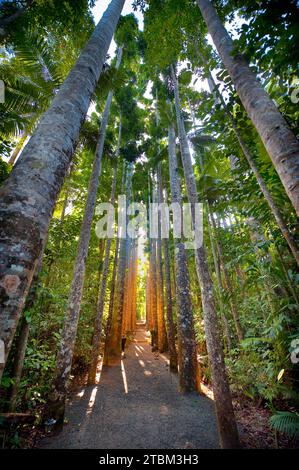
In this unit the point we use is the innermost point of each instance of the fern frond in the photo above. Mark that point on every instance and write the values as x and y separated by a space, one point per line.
285 422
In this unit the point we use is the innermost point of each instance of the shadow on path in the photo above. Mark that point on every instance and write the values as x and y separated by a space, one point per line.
136 405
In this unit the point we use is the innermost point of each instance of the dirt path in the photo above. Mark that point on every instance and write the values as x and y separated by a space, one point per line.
136 405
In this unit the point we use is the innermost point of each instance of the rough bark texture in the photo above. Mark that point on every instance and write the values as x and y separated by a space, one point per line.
112 293
69 333
101 299
162 336
279 140
28 196
22 340
173 358
153 284
220 289
228 285
113 346
225 414
189 376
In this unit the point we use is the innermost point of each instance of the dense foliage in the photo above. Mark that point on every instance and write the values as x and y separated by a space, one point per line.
258 273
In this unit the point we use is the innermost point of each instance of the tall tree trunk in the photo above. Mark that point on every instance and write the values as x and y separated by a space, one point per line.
153 283
17 150
113 347
173 358
224 410
65 355
189 375
19 362
101 299
279 140
215 258
22 339
112 296
27 197
162 337
227 281
220 289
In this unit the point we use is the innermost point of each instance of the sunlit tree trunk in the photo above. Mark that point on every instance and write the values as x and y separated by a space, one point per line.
28 196
173 358
189 375
69 333
153 284
112 297
279 140
17 150
220 289
227 281
113 347
22 340
162 337
224 410
101 299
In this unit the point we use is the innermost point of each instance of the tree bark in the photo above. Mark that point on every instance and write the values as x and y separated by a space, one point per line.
279 140
224 410
65 355
112 294
113 347
263 187
173 358
220 289
28 196
153 283
17 150
19 362
228 285
101 299
189 376
161 336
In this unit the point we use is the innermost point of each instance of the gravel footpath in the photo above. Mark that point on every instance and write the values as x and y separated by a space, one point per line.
136 405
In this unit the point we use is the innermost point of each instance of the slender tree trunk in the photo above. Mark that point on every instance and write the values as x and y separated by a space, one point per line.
113 282
65 355
215 259
224 410
112 296
17 150
263 187
228 285
22 339
135 285
220 290
173 358
113 347
287 277
101 299
19 362
162 338
189 375
27 197
153 283
279 140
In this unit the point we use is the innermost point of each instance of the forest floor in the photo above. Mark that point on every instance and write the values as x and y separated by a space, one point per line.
136 405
